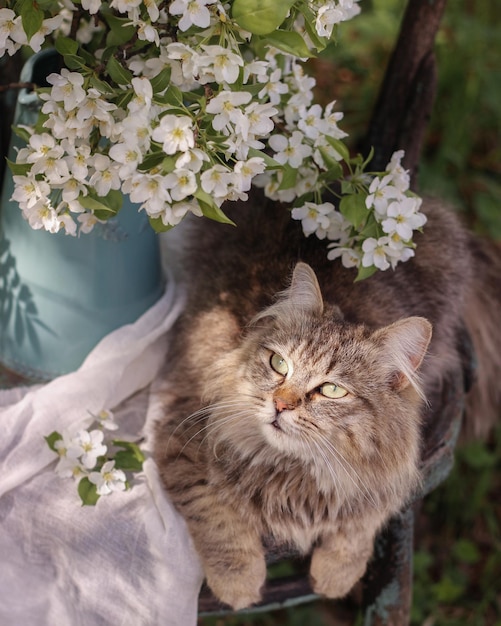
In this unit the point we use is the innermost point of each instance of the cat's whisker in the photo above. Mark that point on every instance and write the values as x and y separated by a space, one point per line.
220 423
208 426
203 413
326 463
347 466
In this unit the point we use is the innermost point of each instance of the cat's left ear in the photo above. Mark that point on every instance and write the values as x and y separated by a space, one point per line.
404 347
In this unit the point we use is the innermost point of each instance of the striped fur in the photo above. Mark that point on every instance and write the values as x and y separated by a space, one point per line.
248 453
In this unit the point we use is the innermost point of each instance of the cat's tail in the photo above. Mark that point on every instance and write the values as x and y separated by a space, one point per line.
483 321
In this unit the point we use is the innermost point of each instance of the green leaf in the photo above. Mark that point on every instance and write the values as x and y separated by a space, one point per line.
347 187
65 45
101 85
174 97
339 147
88 492
354 210
466 551
289 177
130 457
334 167
161 81
372 228
365 272
31 18
52 438
152 160
270 163
210 209
320 43
19 169
75 62
114 200
289 42
118 73
447 590
22 133
478 457
158 226
260 17
125 460
101 210
121 30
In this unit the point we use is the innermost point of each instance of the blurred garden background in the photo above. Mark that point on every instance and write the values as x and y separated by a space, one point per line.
457 562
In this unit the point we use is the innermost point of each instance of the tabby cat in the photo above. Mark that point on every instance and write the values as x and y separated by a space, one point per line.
296 397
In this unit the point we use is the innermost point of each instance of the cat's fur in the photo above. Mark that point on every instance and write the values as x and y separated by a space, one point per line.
248 453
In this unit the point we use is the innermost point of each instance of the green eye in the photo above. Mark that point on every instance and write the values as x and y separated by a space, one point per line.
330 390
279 364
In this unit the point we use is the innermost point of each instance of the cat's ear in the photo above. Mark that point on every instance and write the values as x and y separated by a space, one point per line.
304 291
302 296
404 346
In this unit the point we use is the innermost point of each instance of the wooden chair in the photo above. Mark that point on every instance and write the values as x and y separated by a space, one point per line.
399 122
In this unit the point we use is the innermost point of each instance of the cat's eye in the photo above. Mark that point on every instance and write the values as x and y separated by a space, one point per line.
330 390
279 364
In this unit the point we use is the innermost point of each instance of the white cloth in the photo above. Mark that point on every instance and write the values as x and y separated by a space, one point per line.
129 559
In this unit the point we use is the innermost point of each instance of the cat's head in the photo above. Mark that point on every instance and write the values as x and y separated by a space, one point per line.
308 385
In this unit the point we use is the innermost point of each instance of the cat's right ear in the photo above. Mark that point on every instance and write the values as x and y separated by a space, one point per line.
302 297
304 290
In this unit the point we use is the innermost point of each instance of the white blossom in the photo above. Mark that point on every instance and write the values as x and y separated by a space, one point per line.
67 88
311 121
381 192
314 217
376 252
350 257
291 149
403 218
87 446
28 190
87 222
219 64
105 176
109 479
216 180
175 133
181 183
192 160
128 155
245 171
106 419
149 190
274 87
193 12
226 108
189 122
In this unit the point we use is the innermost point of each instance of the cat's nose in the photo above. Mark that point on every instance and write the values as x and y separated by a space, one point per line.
283 405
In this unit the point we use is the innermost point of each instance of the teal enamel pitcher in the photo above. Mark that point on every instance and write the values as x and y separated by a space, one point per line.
59 295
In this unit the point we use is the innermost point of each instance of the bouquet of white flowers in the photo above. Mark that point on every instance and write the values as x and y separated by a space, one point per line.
183 105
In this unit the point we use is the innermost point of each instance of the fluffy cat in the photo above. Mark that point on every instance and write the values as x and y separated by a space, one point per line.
296 397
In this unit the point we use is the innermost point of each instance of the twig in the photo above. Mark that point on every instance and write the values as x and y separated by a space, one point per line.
30 86
405 101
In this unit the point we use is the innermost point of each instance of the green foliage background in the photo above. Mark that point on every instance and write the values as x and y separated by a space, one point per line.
457 566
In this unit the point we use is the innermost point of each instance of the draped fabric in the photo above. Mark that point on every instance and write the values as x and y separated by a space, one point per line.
127 560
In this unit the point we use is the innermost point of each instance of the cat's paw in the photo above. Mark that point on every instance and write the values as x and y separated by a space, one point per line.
333 578
238 587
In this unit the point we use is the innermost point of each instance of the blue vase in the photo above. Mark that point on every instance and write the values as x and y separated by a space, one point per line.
59 295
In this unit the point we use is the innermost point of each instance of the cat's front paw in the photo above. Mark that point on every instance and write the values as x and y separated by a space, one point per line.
333 578
238 586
